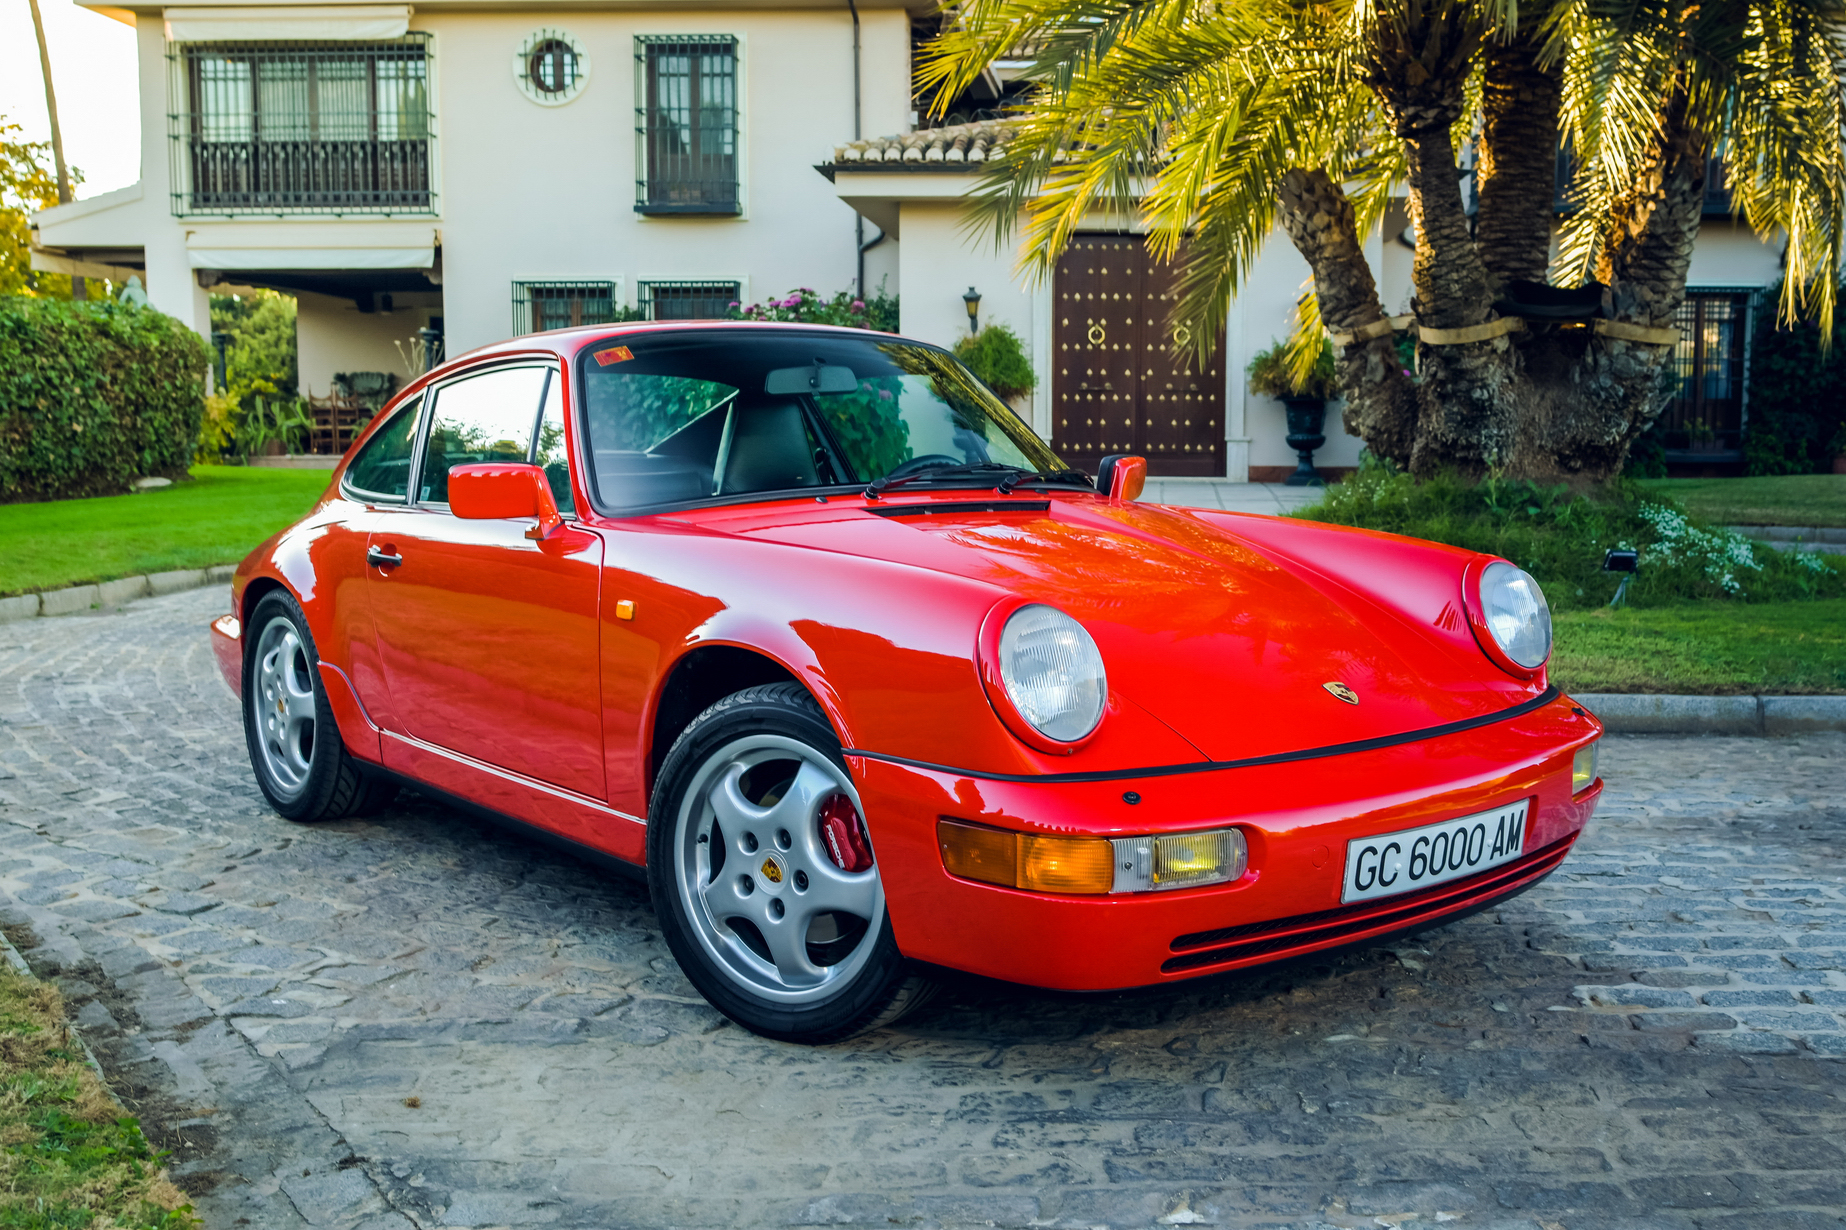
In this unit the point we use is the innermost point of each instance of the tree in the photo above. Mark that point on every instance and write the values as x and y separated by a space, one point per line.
65 196
25 187
1213 121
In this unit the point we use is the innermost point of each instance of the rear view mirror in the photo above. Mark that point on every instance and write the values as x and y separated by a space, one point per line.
499 490
816 379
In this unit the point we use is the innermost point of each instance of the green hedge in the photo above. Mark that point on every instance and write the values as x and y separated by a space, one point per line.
94 395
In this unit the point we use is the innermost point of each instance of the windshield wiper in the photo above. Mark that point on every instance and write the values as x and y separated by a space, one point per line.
1012 476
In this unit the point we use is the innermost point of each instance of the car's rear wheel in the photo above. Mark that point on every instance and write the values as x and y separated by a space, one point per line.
301 766
763 875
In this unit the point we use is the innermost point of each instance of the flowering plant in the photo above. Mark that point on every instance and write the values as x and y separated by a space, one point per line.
806 306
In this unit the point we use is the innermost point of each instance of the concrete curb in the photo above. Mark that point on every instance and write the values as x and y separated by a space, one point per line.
76 599
1714 715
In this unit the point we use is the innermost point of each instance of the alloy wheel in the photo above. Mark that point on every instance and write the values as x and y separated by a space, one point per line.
766 899
285 710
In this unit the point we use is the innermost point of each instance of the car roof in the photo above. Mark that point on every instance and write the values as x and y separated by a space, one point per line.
565 343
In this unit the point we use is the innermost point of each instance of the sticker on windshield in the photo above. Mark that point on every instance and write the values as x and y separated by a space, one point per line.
615 354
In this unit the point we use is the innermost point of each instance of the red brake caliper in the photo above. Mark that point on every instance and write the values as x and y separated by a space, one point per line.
844 835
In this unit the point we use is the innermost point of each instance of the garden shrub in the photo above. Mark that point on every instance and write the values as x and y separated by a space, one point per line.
1560 537
94 395
1797 415
996 355
804 305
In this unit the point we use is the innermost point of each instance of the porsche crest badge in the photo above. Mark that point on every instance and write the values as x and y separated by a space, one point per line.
1342 692
772 871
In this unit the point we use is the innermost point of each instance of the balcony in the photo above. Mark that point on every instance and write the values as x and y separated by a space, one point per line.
315 128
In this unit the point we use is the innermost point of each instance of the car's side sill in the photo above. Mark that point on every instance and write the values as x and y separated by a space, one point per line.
573 817
1212 766
557 841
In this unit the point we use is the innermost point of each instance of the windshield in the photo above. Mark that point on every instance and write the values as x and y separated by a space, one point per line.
672 417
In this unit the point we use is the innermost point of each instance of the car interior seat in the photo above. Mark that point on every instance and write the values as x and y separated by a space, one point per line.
769 450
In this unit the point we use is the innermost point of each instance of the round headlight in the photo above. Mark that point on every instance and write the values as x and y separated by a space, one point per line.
1052 672
1514 608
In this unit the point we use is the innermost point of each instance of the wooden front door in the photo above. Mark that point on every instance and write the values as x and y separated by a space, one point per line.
1123 382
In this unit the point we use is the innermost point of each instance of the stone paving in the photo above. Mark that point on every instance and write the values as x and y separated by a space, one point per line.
423 1020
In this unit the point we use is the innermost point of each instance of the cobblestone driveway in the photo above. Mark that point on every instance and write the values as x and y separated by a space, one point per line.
425 1020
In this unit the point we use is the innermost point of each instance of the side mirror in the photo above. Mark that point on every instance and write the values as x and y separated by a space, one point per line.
1121 477
499 490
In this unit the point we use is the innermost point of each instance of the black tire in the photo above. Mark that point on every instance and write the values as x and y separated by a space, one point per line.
305 774
881 985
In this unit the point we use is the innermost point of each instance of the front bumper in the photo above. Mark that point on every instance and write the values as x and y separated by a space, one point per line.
1297 818
228 647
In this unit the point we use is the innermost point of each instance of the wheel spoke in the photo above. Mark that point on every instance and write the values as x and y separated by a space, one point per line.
829 888
735 812
788 944
796 809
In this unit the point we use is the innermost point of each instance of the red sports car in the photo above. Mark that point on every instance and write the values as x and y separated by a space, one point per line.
808 625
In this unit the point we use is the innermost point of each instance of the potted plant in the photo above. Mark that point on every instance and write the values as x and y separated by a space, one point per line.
1272 374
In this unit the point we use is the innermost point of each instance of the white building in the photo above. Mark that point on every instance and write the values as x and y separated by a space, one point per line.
482 168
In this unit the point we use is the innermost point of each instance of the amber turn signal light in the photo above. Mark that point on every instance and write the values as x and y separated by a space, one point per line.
1026 860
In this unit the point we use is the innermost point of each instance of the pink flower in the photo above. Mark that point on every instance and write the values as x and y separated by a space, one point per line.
858 305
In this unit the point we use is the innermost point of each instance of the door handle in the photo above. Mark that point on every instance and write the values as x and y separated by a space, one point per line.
382 559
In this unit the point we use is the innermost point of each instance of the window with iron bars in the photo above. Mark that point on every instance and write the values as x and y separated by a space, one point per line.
687 300
1705 418
290 128
538 306
686 125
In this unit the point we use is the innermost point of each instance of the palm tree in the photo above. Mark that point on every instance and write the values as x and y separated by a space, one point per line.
78 290
1211 121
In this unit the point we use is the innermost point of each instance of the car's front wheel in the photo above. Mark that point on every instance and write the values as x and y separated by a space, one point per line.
763 875
301 766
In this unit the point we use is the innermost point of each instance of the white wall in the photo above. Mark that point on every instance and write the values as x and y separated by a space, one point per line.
333 335
937 263
1264 315
1729 254
534 193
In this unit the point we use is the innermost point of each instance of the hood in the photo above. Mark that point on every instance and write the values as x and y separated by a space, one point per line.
1229 638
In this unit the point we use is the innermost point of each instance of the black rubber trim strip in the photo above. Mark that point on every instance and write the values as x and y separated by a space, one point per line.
959 506
1212 766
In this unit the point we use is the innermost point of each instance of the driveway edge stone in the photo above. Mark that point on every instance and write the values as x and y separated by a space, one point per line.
1714 715
76 599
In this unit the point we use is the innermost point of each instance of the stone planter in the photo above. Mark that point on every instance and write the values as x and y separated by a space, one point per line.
1306 417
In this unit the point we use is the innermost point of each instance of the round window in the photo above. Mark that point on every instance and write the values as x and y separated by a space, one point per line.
551 67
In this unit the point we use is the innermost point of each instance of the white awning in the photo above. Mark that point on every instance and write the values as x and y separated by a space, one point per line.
311 258
305 21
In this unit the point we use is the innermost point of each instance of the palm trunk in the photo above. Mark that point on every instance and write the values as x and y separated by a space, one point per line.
1519 103
1381 404
78 289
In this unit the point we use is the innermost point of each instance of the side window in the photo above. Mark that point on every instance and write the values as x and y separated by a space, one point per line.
479 418
381 471
549 453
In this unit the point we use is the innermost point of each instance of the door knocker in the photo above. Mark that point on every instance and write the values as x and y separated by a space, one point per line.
1182 335
1097 335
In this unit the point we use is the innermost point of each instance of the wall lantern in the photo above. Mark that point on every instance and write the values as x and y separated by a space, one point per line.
973 300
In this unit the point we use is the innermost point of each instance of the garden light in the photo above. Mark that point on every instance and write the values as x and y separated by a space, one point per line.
1626 562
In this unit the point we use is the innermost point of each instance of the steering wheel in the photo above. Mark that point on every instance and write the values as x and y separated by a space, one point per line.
926 462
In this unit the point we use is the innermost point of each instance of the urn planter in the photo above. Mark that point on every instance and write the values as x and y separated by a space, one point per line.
1306 417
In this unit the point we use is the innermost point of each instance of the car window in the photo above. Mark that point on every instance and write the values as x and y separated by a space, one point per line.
656 438
548 451
479 418
671 417
381 471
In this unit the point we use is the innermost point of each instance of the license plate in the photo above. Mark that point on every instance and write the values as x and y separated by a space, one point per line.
1394 863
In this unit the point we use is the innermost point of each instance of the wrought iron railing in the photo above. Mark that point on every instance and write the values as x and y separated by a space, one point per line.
687 300
686 125
1707 413
538 306
291 128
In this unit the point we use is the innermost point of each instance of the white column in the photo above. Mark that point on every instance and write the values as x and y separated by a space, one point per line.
1236 436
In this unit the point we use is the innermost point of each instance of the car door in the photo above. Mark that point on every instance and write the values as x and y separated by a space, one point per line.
486 638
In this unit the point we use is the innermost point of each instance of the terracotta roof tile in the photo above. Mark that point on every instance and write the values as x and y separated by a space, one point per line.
961 146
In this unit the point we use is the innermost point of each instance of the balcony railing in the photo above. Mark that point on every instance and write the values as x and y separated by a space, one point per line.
294 128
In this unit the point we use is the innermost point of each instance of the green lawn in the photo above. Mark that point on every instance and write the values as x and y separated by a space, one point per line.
214 519
1794 499
73 1156
1713 648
